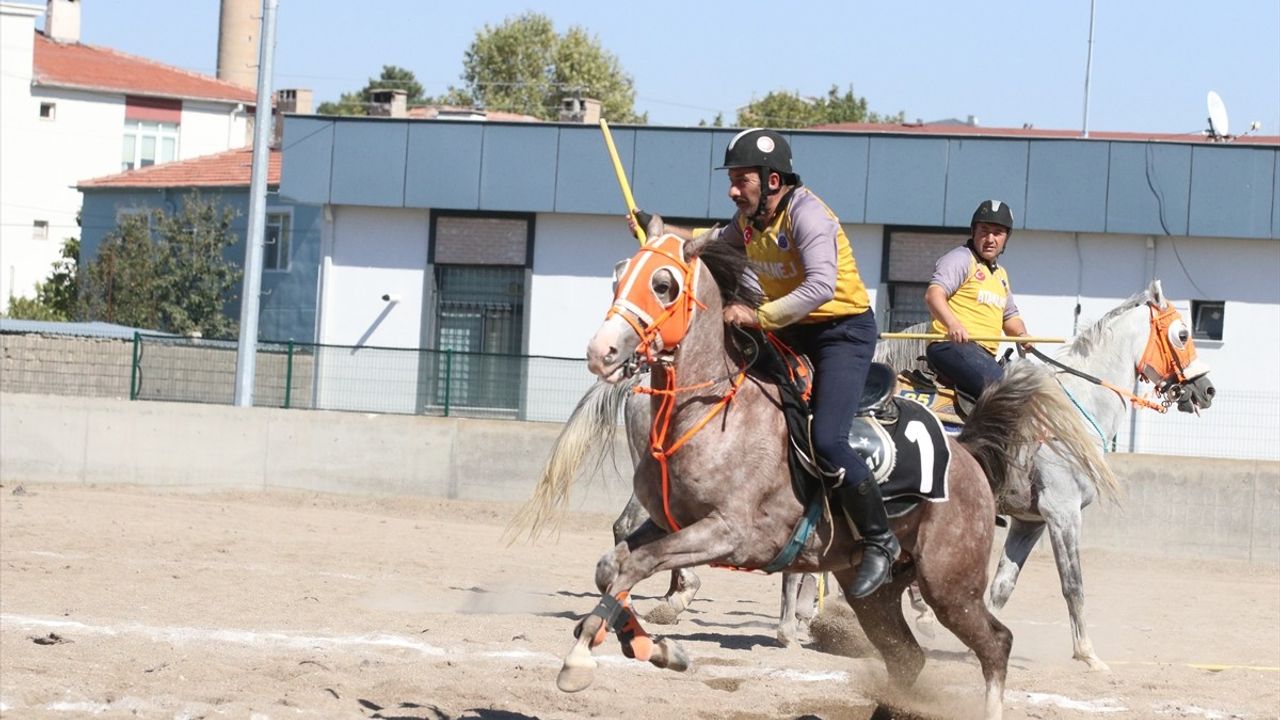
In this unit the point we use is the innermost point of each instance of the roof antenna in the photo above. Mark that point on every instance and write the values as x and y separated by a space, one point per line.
1218 129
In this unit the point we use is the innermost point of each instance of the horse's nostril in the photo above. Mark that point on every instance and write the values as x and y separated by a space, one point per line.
1211 391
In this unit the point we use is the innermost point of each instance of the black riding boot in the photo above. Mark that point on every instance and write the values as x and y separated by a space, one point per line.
865 509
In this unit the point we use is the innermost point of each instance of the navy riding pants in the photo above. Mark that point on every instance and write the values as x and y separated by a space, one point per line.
840 351
969 365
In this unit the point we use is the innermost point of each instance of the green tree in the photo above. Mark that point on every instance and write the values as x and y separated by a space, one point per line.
523 65
782 109
56 297
166 272
357 103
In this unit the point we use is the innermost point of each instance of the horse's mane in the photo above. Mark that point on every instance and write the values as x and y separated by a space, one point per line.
727 262
1089 338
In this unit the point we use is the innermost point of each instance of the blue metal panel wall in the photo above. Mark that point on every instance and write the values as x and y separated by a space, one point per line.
906 183
719 207
443 165
368 163
585 181
835 167
308 158
671 171
518 168
980 170
1067 186
1231 191
1147 188
1275 198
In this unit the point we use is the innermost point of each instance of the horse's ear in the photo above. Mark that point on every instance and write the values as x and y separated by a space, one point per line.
655 227
1157 294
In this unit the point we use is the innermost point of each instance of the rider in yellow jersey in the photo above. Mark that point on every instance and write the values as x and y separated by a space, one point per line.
968 296
803 264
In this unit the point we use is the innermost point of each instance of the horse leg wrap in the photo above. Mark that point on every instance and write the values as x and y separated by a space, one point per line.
609 610
636 643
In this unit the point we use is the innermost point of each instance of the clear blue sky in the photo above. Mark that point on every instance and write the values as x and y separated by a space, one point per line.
1007 62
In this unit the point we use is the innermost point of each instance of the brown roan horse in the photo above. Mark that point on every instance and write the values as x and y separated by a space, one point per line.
716 482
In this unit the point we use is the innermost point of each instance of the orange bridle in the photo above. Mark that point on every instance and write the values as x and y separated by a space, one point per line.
662 320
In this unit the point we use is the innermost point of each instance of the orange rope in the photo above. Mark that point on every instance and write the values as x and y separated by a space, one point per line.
662 426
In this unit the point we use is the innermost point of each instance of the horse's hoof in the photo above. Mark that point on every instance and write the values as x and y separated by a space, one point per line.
926 625
1095 665
675 655
578 670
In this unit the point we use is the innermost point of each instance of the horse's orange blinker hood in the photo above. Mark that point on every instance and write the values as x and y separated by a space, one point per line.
661 318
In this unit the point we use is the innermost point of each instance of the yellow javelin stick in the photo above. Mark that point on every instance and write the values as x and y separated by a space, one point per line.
622 178
982 338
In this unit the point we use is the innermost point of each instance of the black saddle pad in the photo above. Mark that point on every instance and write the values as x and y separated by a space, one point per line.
922 459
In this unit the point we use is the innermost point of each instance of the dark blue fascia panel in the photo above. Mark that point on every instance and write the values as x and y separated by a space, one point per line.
906 181
719 207
368 163
585 180
834 167
307 160
1231 192
1147 183
980 170
671 172
444 165
1067 186
1275 198
518 168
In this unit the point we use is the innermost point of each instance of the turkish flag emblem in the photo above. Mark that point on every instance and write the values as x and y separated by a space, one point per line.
980 275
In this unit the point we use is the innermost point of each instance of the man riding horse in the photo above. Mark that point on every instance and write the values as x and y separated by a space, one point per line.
803 265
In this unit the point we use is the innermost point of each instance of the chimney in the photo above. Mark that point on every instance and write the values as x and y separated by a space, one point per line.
62 21
238 26
294 100
580 110
290 100
390 102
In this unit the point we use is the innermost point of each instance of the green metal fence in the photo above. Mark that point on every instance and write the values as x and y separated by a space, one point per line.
369 379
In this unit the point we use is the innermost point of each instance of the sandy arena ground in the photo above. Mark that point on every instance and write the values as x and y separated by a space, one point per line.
134 602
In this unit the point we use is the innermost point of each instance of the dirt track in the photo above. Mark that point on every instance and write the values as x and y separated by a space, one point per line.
130 602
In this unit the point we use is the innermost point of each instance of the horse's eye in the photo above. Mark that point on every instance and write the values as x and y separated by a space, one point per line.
662 287
1182 335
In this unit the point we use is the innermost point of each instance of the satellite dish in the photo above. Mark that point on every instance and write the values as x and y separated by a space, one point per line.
1217 116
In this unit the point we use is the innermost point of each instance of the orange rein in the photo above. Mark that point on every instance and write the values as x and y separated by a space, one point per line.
661 427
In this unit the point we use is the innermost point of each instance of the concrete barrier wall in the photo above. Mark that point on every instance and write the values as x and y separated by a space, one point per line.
1173 506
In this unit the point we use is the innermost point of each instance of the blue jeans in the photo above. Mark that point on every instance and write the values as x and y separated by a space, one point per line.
969 365
840 351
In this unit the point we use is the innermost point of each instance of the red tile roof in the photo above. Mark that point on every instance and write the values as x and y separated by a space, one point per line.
231 168
945 129
90 67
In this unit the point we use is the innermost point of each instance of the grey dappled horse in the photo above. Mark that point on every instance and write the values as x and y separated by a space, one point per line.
799 601
724 496
1142 337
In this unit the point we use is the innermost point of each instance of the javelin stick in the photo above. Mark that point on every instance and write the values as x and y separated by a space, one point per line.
981 338
622 178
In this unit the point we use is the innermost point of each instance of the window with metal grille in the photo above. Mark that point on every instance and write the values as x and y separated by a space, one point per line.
912 256
480 269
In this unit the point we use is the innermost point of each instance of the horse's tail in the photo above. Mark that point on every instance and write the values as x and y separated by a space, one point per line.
1024 409
901 354
585 441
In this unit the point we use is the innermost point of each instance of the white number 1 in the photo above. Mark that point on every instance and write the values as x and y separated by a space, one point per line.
918 433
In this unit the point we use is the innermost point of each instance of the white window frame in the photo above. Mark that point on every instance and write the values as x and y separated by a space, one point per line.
163 131
287 214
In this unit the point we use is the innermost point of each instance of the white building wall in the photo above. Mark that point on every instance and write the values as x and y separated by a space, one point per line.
44 159
209 128
369 253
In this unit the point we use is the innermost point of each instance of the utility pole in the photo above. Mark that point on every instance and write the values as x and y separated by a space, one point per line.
1088 66
247 349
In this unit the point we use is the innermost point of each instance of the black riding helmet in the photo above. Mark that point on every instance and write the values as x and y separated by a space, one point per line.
766 150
